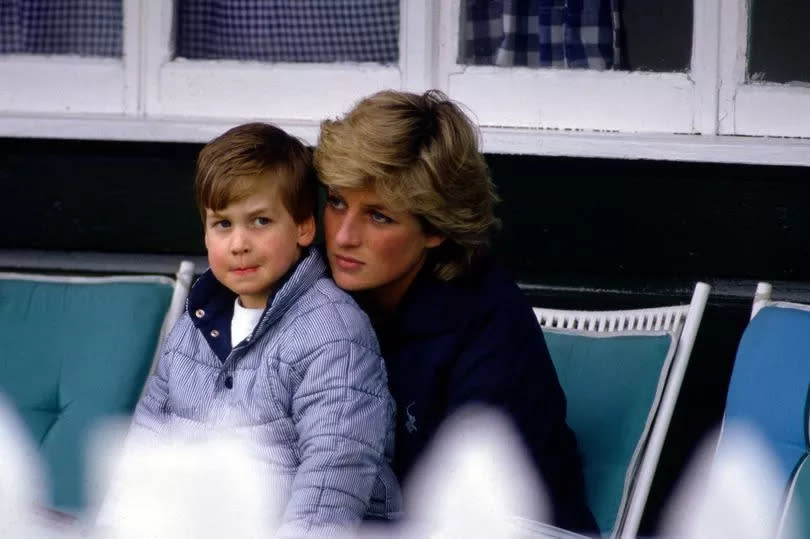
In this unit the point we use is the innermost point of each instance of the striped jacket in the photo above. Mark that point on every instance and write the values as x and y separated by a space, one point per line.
308 387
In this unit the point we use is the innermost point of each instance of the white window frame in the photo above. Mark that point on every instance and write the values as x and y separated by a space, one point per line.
755 108
550 98
71 84
148 95
289 93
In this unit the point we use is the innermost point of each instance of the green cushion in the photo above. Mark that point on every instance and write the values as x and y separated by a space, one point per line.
73 353
611 384
798 508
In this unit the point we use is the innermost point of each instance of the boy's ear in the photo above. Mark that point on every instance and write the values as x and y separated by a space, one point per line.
434 240
306 231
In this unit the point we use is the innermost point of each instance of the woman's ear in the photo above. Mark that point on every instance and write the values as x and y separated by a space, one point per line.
306 231
434 240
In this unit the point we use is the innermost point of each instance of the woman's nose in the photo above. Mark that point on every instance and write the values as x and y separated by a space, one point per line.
347 233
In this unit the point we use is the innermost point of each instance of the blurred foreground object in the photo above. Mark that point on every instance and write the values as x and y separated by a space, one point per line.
474 480
175 489
730 495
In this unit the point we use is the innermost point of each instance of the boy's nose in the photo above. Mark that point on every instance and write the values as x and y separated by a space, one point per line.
239 242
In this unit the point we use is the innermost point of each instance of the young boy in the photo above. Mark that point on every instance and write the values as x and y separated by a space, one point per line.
270 347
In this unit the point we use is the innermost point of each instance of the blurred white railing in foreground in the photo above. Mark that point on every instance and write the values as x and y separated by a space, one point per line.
472 485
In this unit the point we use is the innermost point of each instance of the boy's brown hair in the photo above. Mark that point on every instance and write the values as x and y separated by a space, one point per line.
420 154
229 167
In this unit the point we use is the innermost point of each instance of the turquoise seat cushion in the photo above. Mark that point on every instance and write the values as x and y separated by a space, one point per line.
73 353
612 384
798 501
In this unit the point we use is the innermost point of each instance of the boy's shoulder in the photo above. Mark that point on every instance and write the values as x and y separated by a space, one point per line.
326 312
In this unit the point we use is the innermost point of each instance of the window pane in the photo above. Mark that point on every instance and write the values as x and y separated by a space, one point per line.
84 27
539 33
297 31
657 36
595 34
779 41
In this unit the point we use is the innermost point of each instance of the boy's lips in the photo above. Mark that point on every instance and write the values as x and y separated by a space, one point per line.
245 270
347 263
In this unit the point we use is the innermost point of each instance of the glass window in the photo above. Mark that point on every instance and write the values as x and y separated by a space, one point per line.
297 31
633 35
539 33
656 36
779 41
83 27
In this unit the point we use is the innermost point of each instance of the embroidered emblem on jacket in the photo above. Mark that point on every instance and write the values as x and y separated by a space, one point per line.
410 424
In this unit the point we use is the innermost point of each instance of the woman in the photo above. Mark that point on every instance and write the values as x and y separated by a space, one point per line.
407 222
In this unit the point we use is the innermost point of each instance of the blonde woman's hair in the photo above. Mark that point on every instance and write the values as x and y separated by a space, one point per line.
230 167
420 154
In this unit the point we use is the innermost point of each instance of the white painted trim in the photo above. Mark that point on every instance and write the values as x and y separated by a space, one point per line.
418 41
554 99
61 84
754 108
733 47
698 148
705 67
772 110
131 61
566 99
501 140
116 127
230 89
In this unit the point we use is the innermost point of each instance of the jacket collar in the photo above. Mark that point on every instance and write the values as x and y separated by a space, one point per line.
210 303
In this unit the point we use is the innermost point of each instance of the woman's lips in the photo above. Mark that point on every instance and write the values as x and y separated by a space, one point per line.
347 263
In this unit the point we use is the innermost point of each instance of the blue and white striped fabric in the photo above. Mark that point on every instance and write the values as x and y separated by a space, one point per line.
541 33
289 31
307 390
83 27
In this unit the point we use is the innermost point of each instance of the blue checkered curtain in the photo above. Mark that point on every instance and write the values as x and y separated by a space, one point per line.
289 30
84 27
541 33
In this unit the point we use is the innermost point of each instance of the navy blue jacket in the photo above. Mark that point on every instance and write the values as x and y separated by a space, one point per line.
476 339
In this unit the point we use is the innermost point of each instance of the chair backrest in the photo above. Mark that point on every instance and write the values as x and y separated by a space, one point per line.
621 372
769 391
76 350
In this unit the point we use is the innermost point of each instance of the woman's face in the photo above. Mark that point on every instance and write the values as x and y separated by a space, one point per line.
372 248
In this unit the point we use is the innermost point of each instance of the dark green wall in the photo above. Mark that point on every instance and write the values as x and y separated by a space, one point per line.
583 233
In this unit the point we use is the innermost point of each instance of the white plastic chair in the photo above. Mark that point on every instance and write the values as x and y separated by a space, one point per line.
657 341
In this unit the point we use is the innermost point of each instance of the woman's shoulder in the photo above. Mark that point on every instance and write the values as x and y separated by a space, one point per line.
485 290
490 285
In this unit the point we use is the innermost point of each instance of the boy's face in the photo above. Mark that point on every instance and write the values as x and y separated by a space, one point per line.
253 242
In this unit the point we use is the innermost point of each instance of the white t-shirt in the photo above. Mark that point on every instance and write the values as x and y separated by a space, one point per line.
243 322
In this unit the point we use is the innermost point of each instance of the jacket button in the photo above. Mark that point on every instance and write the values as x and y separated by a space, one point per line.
215 333
229 382
199 313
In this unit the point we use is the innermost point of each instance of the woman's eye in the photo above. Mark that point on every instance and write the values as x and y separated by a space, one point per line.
335 201
380 218
261 221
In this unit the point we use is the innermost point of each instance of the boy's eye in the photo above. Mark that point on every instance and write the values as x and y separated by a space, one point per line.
335 201
222 223
261 221
380 218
